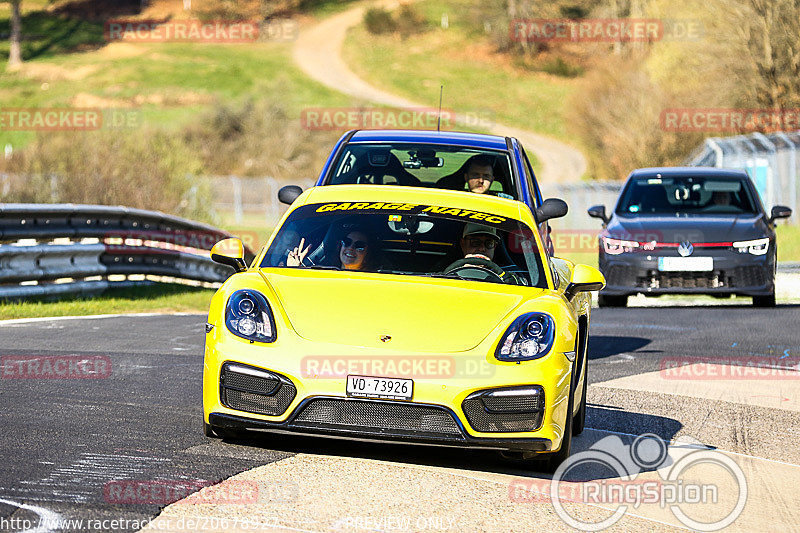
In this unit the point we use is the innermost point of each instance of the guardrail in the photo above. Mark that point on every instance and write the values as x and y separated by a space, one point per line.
57 249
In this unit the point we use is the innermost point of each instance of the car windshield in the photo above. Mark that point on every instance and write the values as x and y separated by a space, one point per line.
406 239
686 195
424 165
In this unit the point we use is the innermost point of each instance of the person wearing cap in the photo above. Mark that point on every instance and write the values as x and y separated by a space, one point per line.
479 241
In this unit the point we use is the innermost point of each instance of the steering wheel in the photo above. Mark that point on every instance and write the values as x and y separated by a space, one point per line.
479 263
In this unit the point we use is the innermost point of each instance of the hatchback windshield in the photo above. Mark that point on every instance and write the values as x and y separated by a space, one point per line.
686 195
425 165
406 239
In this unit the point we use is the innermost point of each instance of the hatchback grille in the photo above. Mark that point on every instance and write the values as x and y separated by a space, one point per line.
377 417
748 276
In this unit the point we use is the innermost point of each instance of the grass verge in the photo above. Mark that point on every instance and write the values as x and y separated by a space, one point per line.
476 80
788 243
164 84
163 298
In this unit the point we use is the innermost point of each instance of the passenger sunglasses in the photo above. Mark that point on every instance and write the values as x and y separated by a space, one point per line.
359 246
488 243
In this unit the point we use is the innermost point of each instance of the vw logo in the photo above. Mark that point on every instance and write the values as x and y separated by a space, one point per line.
685 249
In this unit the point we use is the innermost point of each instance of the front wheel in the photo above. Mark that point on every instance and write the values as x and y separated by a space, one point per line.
765 301
608 300
579 421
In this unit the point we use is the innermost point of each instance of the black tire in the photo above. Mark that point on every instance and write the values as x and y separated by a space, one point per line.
608 300
764 301
579 421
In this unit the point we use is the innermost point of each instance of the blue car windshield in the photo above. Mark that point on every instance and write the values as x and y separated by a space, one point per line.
405 239
425 165
696 195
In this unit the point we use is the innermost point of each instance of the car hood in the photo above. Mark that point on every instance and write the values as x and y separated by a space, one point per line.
420 315
692 228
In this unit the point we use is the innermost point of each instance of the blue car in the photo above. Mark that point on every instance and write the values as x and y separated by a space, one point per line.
471 162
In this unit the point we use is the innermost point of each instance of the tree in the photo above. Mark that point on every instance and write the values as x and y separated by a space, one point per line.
15 50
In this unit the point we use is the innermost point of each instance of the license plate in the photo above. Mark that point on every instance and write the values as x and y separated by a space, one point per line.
374 387
685 264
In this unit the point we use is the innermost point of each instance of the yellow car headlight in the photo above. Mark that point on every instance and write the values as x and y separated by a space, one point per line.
530 336
249 316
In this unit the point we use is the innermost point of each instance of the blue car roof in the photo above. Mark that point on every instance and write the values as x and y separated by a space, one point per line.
474 140
685 171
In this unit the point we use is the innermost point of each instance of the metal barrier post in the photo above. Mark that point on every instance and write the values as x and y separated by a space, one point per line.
793 175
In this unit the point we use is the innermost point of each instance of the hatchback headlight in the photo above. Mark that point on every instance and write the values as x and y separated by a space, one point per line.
530 336
618 246
755 247
248 315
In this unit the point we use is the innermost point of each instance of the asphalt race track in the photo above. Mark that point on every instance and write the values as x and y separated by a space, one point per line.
64 442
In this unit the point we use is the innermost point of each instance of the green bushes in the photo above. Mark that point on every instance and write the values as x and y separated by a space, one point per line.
152 168
144 169
406 21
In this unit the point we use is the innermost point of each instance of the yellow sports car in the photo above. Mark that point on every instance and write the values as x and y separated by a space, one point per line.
403 314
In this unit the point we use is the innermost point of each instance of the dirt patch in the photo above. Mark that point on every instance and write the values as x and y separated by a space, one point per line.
165 9
91 100
121 50
51 72
172 100
157 99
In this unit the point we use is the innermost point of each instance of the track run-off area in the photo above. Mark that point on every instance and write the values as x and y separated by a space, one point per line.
714 390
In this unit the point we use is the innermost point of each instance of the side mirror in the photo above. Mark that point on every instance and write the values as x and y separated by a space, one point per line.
598 211
289 193
229 252
780 211
551 208
584 278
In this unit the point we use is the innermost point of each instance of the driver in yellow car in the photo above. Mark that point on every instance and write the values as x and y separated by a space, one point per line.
479 241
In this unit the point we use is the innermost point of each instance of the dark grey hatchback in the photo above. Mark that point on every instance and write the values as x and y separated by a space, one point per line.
688 230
